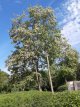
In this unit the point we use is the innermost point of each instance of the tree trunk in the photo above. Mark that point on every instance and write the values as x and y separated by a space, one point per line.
37 77
73 85
65 80
50 79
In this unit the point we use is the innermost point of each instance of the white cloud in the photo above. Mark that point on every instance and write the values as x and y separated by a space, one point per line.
5 70
71 32
71 21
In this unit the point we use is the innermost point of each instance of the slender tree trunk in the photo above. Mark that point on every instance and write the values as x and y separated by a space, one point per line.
73 85
37 77
65 80
50 79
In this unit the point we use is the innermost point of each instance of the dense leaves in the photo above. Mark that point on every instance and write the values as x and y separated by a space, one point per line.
4 77
40 99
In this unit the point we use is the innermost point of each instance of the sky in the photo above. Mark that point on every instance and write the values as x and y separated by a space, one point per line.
66 12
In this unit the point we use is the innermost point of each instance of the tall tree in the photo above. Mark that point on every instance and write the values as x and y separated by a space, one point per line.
33 37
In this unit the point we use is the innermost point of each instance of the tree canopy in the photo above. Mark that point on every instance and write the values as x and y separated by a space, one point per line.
35 35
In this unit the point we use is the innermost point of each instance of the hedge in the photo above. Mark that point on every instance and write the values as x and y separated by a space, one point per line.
62 88
40 99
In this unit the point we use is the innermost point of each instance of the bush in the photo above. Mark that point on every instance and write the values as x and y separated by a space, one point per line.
62 88
40 99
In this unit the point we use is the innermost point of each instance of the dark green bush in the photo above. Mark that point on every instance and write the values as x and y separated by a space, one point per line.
62 88
40 99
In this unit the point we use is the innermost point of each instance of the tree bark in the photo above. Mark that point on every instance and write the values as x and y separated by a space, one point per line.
65 80
50 79
37 77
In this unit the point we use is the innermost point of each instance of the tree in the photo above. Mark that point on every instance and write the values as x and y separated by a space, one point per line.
3 81
78 72
67 66
33 37
70 62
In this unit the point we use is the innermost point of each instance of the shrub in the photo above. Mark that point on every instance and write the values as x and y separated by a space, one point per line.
40 99
62 88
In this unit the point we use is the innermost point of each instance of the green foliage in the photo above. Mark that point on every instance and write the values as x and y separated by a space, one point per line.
29 82
78 72
4 77
65 74
66 67
62 88
40 99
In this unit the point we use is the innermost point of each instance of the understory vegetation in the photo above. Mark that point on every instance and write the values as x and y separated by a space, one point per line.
40 99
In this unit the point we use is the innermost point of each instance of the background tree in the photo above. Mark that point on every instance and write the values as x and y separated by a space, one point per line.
4 77
66 67
78 71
